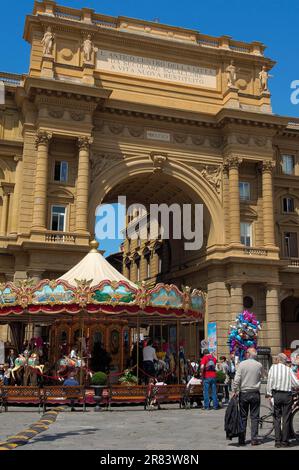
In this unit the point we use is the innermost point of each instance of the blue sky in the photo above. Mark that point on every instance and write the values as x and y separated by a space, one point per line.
273 22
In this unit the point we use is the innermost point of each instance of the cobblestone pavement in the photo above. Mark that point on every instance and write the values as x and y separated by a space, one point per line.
127 428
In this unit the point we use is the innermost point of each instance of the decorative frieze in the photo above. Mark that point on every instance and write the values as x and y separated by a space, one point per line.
77 116
56 113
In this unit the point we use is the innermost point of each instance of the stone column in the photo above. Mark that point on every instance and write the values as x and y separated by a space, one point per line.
3 226
273 318
83 185
16 195
236 299
41 181
232 165
268 210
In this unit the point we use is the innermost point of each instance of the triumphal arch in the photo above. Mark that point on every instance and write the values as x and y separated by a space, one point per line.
118 106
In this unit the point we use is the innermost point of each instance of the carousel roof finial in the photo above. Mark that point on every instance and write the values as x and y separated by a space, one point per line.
94 245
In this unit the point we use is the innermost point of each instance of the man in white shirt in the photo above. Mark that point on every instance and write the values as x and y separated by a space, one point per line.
149 356
281 381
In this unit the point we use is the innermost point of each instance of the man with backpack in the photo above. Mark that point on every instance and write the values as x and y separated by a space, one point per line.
208 373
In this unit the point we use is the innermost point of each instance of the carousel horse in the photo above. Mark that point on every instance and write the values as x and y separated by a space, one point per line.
66 365
161 367
29 365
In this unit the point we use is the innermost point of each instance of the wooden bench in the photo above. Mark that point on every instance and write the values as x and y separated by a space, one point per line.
126 394
20 394
193 392
60 394
158 394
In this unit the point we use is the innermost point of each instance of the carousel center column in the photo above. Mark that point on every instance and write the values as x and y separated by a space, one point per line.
232 164
41 180
83 184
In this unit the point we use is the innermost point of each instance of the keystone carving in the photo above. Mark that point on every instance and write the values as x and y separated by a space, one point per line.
159 161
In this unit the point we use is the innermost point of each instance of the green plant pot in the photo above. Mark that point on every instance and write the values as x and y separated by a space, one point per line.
98 392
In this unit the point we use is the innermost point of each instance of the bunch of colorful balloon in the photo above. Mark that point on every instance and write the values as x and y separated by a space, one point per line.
243 334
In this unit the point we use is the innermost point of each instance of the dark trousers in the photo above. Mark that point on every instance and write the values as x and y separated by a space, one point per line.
226 392
149 369
250 401
282 410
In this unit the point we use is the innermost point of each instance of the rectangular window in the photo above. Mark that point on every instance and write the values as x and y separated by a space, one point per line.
58 218
61 172
290 245
246 233
244 191
288 204
288 164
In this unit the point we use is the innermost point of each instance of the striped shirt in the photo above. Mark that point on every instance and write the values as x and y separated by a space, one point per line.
281 378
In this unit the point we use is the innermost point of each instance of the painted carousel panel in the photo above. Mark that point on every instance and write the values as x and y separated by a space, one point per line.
7 296
108 293
48 294
166 296
197 301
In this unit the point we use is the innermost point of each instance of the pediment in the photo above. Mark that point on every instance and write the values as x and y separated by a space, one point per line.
292 220
60 193
248 212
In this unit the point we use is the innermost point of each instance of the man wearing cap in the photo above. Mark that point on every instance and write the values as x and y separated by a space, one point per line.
281 380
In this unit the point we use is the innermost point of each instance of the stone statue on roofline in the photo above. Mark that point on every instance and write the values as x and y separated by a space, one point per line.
48 41
264 78
231 74
88 49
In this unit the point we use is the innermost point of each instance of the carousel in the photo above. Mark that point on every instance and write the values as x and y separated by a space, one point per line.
93 304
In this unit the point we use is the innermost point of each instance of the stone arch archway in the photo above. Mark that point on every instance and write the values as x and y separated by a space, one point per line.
186 177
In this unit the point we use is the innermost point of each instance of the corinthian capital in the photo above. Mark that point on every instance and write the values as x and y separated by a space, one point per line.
232 162
43 138
84 143
267 166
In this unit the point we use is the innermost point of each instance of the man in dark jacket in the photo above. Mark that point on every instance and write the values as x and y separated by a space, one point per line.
233 425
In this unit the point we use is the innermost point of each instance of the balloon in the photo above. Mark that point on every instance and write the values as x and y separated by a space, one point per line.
243 333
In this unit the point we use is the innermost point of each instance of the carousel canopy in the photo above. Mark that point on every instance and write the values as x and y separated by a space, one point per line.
94 288
94 267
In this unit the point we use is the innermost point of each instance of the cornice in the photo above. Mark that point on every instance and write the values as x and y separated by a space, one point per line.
60 88
147 43
221 120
